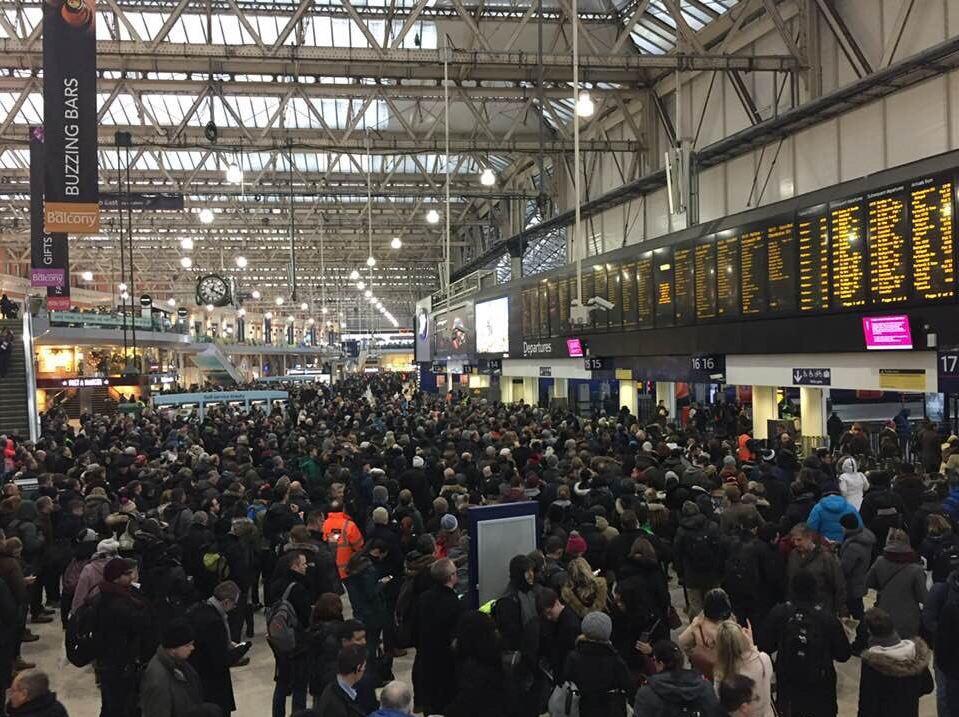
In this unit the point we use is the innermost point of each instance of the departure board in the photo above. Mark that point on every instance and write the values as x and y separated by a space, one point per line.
684 287
705 267
781 259
847 231
614 295
664 291
812 228
644 292
629 295
933 243
543 310
562 291
888 249
727 277
529 326
552 290
598 318
752 265
534 312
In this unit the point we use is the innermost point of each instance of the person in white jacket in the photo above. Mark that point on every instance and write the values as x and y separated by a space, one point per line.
852 483
736 654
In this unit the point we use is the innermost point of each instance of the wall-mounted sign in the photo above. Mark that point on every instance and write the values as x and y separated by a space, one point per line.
532 349
545 371
438 367
494 367
146 301
901 379
592 363
948 371
812 376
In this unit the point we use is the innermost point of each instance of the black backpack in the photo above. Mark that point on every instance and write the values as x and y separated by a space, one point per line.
804 653
82 635
702 552
944 562
741 577
403 614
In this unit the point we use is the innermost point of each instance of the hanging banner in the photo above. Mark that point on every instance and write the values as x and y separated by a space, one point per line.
70 116
49 253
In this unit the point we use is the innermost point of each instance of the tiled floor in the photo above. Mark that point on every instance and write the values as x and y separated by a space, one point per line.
253 684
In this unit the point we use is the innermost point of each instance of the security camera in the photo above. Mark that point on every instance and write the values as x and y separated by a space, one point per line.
601 303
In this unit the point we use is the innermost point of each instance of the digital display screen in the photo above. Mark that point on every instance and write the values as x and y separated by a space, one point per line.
752 264
885 333
781 257
813 230
727 277
933 245
614 295
492 326
629 295
574 347
705 267
644 292
598 317
685 285
847 229
663 272
888 249
563 296
454 333
423 328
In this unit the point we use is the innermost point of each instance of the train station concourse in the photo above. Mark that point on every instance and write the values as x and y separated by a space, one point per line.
474 358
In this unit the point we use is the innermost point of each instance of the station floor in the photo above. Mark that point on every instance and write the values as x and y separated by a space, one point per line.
253 683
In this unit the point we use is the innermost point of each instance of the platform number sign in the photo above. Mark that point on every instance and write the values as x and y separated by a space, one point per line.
594 363
708 366
948 371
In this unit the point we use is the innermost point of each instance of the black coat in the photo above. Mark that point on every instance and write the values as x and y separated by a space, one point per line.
602 678
335 703
294 669
438 611
212 656
42 706
126 629
889 686
480 690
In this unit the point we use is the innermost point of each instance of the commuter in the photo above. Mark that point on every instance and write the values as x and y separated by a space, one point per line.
698 640
8 308
598 671
895 671
30 696
737 696
855 557
126 638
7 340
214 651
852 483
807 639
808 556
929 443
940 548
481 683
171 686
396 700
825 517
438 611
343 536
585 592
900 581
699 554
882 509
674 689
339 698
736 654
91 576
292 671
559 629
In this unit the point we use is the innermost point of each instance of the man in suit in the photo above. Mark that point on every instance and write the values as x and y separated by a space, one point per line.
339 696
215 653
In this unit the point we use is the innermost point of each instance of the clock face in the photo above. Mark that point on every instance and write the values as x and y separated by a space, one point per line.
212 289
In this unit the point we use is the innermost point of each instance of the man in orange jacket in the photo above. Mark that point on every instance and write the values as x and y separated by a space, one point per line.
342 535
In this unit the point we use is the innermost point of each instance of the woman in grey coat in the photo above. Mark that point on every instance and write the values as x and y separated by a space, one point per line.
900 580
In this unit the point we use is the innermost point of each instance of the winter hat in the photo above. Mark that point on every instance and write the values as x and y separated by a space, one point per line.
597 627
177 633
576 545
448 522
647 447
381 516
729 461
417 461
108 547
116 567
671 475
690 509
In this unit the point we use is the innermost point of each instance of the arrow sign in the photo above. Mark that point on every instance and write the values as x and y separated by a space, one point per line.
812 376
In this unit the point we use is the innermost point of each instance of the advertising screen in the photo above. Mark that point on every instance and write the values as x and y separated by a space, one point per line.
424 339
884 333
454 332
574 347
492 326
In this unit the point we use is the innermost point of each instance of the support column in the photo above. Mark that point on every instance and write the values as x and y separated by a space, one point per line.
812 409
559 391
530 390
515 262
765 408
666 392
506 389
628 396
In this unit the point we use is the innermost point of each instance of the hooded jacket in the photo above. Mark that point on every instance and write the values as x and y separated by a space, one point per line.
852 483
901 583
666 691
825 515
855 556
894 678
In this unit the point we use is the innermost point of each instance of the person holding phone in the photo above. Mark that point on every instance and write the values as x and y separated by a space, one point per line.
215 652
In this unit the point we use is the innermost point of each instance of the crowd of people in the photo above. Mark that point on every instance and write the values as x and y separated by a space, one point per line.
157 538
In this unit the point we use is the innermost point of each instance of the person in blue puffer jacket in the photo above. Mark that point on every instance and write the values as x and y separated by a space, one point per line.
825 515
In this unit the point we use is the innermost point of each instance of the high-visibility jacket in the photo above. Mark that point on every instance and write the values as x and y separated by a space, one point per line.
344 538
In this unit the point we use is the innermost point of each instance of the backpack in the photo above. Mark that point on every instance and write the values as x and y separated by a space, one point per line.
564 700
82 635
804 653
741 576
403 614
282 624
215 564
683 709
702 553
71 575
944 562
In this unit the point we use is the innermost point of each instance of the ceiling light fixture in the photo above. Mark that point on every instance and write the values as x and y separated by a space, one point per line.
584 104
87 276
396 243
210 307
304 306
354 275
432 217
279 301
122 286
360 285
367 293
241 262
186 244
256 294
370 261
268 315
124 296
241 312
171 301
311 321
206 216
488 178
186 262
234 175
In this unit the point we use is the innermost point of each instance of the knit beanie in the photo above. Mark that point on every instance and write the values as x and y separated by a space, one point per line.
597 627
177 633
116 567
448 522
576 545
690 509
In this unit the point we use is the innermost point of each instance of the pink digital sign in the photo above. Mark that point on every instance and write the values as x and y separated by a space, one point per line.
886 333
574 347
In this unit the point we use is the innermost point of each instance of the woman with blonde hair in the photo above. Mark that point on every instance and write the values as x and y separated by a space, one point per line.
736 654
584 593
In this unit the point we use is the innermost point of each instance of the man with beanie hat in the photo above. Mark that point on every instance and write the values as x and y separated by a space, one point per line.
170 686
699 556
598 671
125 636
